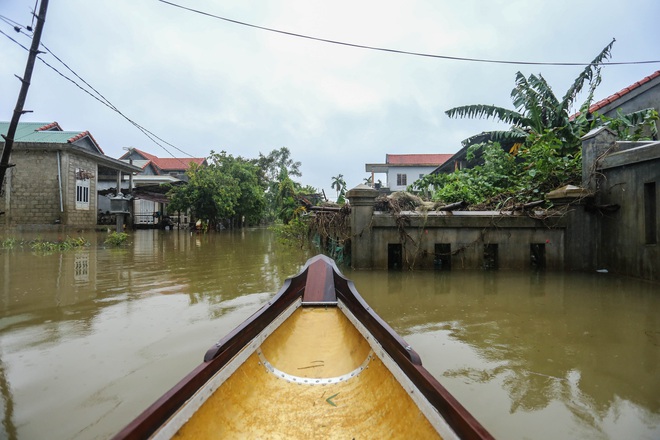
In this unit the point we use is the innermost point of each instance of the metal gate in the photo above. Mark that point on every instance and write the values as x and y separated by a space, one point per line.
144 212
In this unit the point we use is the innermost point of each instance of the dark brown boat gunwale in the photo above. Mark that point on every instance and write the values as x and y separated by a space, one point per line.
457 417
221 353
215 359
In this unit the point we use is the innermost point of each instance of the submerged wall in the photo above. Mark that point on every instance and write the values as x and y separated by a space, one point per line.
446 240
627 199
610 223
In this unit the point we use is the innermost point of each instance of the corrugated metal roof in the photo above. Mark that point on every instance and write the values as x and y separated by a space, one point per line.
55 137
28 128
48 132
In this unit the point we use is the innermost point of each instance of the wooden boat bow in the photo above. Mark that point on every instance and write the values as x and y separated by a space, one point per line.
319 285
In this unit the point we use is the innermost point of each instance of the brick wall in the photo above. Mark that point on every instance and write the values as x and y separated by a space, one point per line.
32 188
32 193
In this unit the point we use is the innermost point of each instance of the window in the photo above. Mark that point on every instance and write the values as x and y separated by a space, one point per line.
537 256
421 175
490 257
394 256
442 257
401 179
82 189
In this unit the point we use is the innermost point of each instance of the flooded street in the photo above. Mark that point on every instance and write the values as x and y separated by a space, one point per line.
90 337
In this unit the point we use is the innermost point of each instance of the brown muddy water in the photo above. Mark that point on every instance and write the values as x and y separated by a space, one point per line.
90 337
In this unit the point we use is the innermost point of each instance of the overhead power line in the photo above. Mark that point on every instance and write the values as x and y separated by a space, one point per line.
96 95
397 51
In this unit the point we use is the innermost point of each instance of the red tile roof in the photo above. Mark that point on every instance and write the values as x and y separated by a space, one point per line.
146 155
170 163
51 126
173 163
417 159
82 135
603 102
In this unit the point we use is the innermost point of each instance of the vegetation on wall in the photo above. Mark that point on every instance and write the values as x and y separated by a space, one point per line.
540 151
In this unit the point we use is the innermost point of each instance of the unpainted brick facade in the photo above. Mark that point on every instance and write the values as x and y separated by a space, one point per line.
31 193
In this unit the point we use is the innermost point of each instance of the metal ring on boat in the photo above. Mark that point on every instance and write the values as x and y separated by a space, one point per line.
313 380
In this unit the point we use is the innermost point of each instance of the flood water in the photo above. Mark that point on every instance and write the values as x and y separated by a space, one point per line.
91 337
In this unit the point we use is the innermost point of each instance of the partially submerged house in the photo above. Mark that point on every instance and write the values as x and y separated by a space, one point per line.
149 186
54 180
404 169
643 94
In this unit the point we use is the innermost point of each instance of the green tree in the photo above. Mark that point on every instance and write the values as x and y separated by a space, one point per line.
286 197
272 166
339 184
251 201
227 188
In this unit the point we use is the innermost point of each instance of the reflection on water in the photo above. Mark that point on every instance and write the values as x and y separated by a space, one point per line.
582 347
102 332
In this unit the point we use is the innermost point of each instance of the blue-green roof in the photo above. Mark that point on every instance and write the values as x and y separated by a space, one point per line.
38 132
51 133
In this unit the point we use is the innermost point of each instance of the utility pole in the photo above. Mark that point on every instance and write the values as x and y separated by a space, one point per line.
27 76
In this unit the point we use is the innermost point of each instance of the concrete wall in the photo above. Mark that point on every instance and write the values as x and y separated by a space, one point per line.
623 175
468 234
616 227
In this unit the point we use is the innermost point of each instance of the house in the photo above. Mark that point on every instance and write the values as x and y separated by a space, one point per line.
55 177
404 169
641 95
148 186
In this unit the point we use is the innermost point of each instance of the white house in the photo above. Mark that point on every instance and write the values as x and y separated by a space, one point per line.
404 169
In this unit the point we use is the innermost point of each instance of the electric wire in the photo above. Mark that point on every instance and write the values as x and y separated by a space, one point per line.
100 98
397 51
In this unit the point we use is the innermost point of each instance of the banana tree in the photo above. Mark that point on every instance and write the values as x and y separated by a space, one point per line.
537 109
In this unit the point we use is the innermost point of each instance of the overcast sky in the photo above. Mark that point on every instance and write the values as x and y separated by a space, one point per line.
204 84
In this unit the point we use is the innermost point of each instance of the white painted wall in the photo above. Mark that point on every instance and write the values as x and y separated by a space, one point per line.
412 174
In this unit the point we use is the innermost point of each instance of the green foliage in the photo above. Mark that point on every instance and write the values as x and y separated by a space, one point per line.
45 246
541 150
339 184
275 167
234 188
636 126
228 187
538 167
116 238
8 243
295 233
285 198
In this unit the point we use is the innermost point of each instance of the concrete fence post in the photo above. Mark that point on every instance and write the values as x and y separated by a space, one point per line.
362 199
